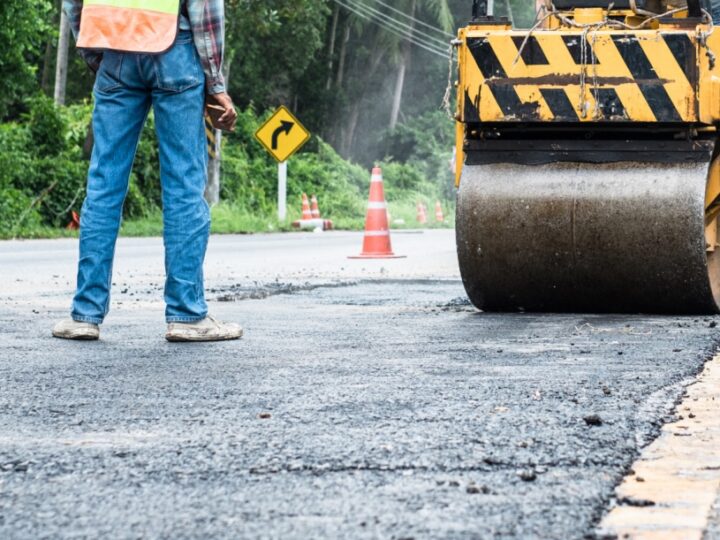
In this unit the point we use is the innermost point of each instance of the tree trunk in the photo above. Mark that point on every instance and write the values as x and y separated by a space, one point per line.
348 134
343 55
400 79
62 60
212 189
397 96
47 68
331 48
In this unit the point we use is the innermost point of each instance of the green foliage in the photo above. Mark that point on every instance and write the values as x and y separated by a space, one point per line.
335 69
271 43
48 129
520 12
144 194
249 176
16 212
55 171
426 142
42 172
23 30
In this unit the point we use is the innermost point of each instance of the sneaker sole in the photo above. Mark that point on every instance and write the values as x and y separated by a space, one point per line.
77 337
201 339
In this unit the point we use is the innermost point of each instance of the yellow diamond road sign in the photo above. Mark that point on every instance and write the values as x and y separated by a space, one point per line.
282 135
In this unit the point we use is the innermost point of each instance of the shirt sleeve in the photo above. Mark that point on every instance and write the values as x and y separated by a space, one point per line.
73 11
207 19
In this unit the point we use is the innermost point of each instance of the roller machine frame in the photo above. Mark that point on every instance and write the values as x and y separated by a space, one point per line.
588 174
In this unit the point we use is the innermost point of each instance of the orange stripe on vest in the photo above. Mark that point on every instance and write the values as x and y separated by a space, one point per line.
128 30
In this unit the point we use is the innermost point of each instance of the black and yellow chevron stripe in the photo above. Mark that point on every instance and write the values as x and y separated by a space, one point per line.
211 139
643 76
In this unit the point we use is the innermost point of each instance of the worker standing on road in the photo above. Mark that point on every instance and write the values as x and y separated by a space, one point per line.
164 54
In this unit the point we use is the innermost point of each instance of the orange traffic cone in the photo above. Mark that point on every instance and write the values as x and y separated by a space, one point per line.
439 213
74 224
376 244
311 218
306 212
315 208
421 215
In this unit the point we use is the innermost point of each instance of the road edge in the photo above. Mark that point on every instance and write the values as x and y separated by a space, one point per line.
670 490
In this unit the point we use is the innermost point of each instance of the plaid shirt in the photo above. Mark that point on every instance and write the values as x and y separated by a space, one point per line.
207 21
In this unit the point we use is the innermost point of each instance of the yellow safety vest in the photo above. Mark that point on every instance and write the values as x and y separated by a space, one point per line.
142 26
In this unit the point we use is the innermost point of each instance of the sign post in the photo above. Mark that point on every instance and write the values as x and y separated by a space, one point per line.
282 191
282 135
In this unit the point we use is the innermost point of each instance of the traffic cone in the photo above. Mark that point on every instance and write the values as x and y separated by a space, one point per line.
74 224
421 215
376 244
311 217
439 213
315 208
306 212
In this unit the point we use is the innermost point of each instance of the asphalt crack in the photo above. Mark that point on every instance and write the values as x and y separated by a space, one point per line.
259 290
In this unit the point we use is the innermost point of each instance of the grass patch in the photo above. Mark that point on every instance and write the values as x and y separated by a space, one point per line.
38 233
150 225
229 218
403 215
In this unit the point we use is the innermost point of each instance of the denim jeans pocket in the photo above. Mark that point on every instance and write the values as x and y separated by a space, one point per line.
109 75
179 68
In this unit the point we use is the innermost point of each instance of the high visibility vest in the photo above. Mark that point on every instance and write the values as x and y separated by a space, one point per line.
141 26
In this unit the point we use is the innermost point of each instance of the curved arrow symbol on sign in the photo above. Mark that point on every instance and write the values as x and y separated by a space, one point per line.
285 127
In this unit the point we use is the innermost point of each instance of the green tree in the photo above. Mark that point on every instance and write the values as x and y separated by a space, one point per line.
24 31
270 44
375 79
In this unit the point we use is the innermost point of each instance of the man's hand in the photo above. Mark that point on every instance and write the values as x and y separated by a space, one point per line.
228 119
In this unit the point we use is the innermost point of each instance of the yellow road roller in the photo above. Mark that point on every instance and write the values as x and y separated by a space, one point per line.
591 180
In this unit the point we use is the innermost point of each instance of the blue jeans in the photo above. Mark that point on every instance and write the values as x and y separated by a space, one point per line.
127 86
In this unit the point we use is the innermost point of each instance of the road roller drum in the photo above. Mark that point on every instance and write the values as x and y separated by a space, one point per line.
618 237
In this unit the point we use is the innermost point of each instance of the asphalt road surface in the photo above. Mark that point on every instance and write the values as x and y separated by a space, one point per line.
368 399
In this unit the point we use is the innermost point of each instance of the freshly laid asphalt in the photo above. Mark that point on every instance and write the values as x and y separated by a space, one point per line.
384 408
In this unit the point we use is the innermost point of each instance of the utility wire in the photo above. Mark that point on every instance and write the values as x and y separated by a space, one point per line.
390 23
416 20
431 48
401 26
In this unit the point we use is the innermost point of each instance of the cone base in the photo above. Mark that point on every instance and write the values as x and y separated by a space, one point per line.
377 256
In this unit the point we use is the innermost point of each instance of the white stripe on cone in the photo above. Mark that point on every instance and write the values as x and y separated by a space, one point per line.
377 205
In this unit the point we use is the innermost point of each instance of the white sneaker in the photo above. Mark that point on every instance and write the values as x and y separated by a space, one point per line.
208 329
70 329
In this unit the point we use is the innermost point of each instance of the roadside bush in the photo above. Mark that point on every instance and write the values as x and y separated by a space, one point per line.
60 185
43 168
42 173
16 212
47 128
145 194
426 142
249 175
